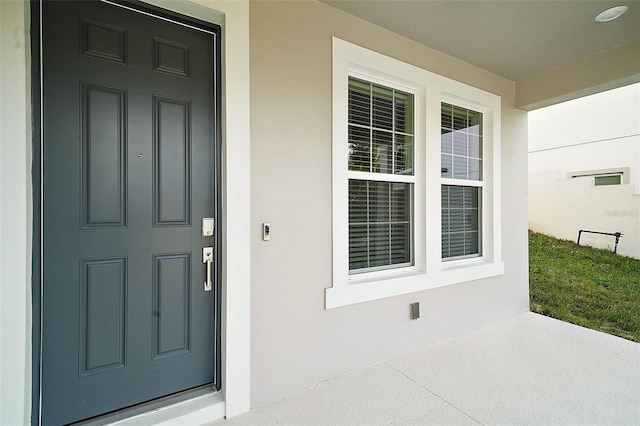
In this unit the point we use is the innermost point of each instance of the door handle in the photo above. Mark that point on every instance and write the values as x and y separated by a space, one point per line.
207 259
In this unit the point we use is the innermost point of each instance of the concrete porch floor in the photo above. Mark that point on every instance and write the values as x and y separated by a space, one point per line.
529 369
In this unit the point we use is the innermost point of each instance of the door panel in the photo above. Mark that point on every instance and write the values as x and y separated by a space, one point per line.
128 169
103 156
172 165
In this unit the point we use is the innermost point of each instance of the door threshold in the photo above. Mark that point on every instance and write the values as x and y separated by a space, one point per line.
194 407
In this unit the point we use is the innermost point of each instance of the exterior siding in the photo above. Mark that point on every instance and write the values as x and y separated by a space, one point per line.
295 342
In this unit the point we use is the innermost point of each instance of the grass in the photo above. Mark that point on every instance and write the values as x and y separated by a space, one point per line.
589 287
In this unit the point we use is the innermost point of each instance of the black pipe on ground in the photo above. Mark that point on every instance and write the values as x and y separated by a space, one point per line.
613 234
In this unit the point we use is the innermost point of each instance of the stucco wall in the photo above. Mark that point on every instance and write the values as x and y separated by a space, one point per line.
15 215
608 154
295 342
604 116
561 207
600 132
591 133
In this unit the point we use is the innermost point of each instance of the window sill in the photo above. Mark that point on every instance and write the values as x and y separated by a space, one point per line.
349 294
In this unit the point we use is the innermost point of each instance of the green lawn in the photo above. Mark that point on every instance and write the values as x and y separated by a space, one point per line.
585 286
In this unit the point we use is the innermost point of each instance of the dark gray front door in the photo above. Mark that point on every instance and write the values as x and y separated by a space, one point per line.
128 174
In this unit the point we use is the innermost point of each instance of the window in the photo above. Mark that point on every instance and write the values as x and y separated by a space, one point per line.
604 177
415 179
613 179
461 170
381 179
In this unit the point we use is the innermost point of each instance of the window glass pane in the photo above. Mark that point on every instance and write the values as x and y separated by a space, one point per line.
403 155
475 169
461 135
403 112
456 220
358 202
382 116
607 180
475 122
358 247
382 159
379 202
446 164
400 199
459 167
379 245
474 143
456 244
379 224
400 241
446 141
447 117
460 143
359 102
359 149
460 119
445 244
460 221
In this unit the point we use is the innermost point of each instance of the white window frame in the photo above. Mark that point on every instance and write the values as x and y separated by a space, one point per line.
429 90
468 183
342 209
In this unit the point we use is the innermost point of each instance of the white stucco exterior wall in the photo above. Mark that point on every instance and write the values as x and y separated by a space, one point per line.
600 132
604 116
295 342
561 207
15 214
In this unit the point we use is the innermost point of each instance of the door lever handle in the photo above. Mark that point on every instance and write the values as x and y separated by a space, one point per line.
207 259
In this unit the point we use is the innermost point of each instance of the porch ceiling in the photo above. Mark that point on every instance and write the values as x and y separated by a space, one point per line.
514 39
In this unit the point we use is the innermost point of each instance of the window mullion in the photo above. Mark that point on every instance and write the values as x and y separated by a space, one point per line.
370 127
370 170
368 226
389 223
393 131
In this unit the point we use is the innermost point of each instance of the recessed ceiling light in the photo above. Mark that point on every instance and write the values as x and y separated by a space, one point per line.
611 14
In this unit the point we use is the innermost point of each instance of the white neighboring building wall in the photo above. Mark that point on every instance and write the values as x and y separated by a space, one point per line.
571 145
